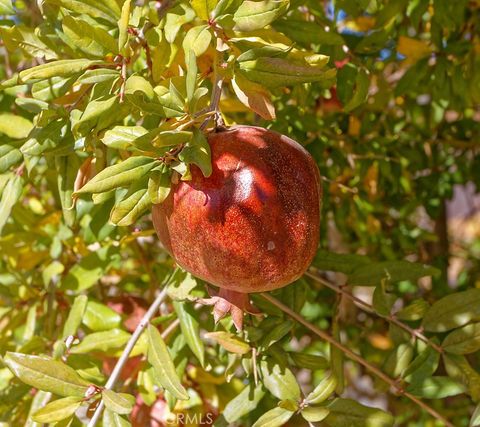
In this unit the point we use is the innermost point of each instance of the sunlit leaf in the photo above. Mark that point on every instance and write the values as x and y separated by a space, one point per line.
46 374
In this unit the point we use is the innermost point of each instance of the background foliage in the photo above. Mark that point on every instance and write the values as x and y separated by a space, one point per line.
103 103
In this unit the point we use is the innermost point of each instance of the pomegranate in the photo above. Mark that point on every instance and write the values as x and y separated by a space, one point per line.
253 225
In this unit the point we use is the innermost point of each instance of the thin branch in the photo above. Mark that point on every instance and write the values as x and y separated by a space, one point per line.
357 358
123 74
128 349
369 308
216 94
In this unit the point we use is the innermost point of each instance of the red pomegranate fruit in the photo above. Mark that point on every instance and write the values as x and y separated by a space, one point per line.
253 224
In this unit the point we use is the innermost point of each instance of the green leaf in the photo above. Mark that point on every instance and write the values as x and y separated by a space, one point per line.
46 374
383 301
475 419
170 138
362 83
132 206
88 271
398 360
16 127
123 137
67 170
61 68
52 88
394 271
75 316
94 41
9 156
309 361
347 412
97 110
435 388
106 9
459 369
190 329
229 342
57 410
276 72
306 33
20 36
203 8
414 311
159 184
111 419
98 75
6 7
453 311
244 403
120 403
464 340
99 317
10 195
104 341
53 138
123 27
314 414
279 380
197 39
276 417
255 15
424 365
323 390
159 357
119 175
197 151
277 333
343 263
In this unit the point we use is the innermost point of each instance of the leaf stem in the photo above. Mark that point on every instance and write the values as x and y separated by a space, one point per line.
355 357
369 308
128 349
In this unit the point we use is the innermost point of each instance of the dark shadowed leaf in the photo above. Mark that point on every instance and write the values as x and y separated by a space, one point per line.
464 340
347 412
453 311
435 388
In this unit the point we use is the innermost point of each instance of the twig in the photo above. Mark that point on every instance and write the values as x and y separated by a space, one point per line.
369 308
123 74
342 186
216 95
128 349
357 358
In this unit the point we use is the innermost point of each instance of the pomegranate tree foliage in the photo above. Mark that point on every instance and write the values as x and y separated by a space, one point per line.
104 103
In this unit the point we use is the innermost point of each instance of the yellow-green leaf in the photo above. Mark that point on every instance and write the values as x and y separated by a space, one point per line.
276 417
60 68
119 175
46 374
57 410
14 126
120 403
255 15
161 360
229 342
203 8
